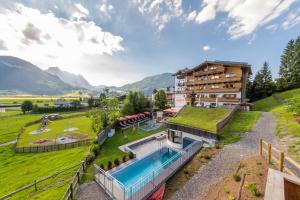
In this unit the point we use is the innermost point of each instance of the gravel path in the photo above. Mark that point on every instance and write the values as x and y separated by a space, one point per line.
225 161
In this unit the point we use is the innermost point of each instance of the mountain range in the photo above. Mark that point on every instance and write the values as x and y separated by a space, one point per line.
20 75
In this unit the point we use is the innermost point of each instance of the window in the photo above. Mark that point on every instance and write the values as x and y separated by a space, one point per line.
230 75
215 77
175 136
214 86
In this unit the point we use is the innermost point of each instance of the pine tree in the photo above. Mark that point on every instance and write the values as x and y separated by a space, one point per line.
263 85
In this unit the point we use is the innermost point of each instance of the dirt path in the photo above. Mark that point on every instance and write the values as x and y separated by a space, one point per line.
226 160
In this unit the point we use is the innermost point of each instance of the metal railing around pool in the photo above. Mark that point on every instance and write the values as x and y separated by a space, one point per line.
145 186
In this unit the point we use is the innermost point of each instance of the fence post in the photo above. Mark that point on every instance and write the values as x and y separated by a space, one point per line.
281 161
35 186
71 191
82 164
78 177
260 147
269 153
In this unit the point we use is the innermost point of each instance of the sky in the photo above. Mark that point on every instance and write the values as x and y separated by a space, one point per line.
114 42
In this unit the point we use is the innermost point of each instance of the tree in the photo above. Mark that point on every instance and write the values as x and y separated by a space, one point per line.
289 72
26 106
263 85
75 103
193 99
136 102
160 100
102 100
91 102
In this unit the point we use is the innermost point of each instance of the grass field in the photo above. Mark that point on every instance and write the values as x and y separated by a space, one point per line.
202 118
57 129
286 126
10 112
110 150
241 123
20 169
40 101
10 126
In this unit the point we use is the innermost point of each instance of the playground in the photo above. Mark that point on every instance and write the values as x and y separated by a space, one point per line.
61 131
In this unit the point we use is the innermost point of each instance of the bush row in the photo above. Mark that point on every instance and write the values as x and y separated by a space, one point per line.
54 109
117 162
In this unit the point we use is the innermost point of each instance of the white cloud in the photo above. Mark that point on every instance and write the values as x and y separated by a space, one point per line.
291 20
47 40
246 15
272 27
206 48
80 12
161 12
105 9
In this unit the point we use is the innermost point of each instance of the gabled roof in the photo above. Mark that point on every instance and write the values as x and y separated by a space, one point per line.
182 71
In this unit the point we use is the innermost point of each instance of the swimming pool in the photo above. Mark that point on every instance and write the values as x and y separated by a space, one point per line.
140 172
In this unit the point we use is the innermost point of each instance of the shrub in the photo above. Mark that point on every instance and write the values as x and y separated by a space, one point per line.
124 158
90 157
186 171
116 162
253 189
237 177
226 190
230 197
131 155
207 157
95 141
102 166
109 165
95 149
218 146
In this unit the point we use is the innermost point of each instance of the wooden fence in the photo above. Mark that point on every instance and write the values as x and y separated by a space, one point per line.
36 182
103 135
71 191
52 147
283 162
224 121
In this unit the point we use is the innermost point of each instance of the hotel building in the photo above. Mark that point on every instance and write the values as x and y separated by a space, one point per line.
212 83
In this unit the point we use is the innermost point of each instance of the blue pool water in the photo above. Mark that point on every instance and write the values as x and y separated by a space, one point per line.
139 169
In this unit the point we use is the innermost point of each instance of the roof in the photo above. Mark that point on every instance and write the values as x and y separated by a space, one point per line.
63 102
181 71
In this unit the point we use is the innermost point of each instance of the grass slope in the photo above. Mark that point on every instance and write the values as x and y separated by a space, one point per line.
57 128
202 118
20 169
286 126
241 123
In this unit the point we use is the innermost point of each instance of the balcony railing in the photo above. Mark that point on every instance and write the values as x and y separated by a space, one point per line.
214 71
209 99
219 80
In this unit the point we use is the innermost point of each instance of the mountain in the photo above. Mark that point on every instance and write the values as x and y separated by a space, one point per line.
69 78
148 84
18 74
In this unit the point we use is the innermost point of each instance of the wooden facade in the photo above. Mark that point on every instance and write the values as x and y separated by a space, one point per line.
217 82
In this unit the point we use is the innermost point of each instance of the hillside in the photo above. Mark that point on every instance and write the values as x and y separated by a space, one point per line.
69 78
18 74
287 127
149 83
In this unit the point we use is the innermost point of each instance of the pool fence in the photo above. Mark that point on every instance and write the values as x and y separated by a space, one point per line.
148 184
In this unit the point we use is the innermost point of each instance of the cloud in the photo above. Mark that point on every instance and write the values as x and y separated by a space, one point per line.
160 12
47 40
291 20
206 48
80 12
245 15
272 27
105 9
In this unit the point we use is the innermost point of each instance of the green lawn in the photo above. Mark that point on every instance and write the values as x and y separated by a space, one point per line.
40 101
57 127
241 123
10 126
266 104
10 112
110 150
202 118
20 169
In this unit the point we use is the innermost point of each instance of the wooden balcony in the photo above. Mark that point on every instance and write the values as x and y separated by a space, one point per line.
219 90
215 71
234 100
219 80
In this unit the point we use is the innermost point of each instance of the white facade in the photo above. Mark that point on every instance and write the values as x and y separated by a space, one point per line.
180 83
180 100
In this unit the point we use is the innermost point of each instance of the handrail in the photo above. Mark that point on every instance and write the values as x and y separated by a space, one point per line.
282 160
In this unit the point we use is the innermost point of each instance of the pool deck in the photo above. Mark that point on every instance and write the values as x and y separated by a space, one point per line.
146 148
